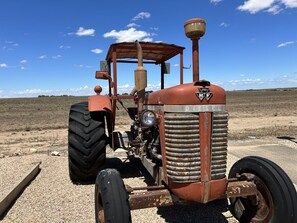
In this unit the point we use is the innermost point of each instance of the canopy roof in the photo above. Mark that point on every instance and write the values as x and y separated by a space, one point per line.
156 52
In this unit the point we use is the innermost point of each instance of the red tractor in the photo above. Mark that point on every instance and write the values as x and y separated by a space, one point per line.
180 136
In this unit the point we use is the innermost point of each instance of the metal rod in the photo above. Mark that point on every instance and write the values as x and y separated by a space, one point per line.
162 75
135 61
139 54
195 50
149 188
115 87
181 69
109 81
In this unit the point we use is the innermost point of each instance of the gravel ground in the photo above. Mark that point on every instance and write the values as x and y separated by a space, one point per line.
52 197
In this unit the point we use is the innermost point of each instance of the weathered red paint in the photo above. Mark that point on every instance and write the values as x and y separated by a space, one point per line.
163 197
195 191
205 152
162 142
185 94
99 103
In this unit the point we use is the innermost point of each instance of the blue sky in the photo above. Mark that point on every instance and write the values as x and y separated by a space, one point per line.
54 47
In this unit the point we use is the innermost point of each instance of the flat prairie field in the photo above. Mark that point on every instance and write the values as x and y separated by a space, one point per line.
39 125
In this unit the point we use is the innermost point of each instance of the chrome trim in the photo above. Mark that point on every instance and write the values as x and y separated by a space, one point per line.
186 108
156 108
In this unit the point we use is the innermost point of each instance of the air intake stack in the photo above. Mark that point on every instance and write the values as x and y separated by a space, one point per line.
194 29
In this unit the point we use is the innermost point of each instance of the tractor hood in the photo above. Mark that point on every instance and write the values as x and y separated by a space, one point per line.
201 92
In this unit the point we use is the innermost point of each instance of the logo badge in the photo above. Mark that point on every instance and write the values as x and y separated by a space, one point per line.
204 93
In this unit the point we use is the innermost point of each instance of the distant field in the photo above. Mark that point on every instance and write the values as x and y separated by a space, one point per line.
42 122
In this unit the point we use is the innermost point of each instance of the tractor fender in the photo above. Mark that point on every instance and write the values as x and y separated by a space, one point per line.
99 103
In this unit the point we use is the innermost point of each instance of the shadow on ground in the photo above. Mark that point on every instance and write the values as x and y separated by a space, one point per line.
202 213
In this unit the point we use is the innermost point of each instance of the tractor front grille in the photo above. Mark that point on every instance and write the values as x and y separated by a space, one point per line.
219 145
182 145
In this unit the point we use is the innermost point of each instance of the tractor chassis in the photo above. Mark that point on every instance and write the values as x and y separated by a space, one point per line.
158 196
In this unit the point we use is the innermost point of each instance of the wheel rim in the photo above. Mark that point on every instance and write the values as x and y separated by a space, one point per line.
256 209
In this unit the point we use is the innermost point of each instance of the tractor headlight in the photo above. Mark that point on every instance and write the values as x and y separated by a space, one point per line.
148 118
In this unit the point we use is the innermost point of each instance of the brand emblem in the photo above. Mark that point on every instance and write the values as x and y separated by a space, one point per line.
204 93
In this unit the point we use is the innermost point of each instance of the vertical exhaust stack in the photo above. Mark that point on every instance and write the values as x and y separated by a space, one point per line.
140 78
194 29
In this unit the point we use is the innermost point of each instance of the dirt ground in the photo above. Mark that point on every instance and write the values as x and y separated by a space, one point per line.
39 125
31 128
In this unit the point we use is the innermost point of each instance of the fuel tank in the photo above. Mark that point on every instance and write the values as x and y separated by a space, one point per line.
201 92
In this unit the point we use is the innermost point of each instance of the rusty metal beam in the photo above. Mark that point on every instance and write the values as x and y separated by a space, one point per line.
7 199
154 198
240 189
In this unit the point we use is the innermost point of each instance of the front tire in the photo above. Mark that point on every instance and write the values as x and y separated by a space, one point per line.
111 199
276 200
86 143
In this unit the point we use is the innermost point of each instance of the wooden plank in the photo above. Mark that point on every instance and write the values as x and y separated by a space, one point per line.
7 199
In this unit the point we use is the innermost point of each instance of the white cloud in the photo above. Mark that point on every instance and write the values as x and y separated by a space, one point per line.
128 35
23 61
82 66
272 6
286 43
9 45
132 25
215 1
85 90
282 81
254 6
3 65
148 39
64 47
141 15
23 68
247 81
223 24
43 57
290 3
56 56
97 51
84 32
275 9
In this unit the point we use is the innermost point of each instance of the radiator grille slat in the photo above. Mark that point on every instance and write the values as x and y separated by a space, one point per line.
219 145
182 145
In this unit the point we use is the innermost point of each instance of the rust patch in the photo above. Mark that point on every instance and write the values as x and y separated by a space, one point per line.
240 189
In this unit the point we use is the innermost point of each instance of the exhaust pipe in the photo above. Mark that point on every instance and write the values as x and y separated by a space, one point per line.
140 78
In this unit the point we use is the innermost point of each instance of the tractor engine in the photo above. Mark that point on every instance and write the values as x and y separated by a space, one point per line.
186 136
183 130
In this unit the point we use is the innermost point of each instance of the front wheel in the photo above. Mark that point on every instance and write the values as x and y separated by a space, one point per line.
111 198
276 200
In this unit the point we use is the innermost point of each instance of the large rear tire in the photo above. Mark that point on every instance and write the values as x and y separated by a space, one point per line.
86 143
111 199
276 200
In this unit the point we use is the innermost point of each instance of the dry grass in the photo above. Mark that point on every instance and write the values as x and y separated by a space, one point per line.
42 122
